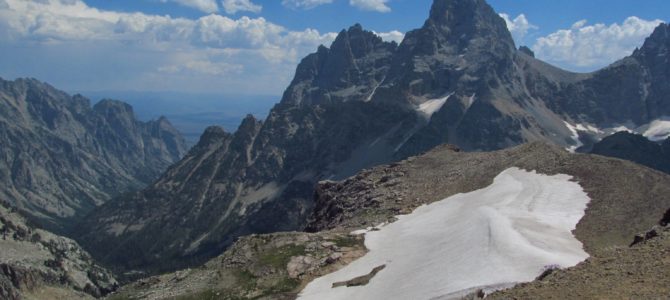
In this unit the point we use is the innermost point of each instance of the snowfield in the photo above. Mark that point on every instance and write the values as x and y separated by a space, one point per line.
430 107
488 239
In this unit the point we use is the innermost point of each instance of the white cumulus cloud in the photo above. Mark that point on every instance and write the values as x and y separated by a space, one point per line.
518 26
371 5
235 6
304 4
208 6
393 35
587 47
76 46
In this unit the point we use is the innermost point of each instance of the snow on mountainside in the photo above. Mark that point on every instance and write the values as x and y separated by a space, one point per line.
657 130
487 239
428 108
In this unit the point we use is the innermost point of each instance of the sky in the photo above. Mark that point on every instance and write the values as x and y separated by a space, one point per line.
251 47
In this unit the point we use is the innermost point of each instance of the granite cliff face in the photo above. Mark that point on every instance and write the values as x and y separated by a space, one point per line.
364 102
36 264
60 157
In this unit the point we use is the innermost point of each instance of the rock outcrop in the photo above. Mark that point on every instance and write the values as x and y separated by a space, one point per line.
36 264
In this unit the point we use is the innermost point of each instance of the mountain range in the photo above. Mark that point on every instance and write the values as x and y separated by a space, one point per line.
362 102
60 157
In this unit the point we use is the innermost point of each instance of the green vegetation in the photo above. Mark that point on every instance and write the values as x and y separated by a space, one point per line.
348 241
204 295
283 286
118 297
245 279
280 257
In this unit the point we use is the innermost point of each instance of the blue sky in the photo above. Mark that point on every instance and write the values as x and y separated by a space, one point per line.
252 46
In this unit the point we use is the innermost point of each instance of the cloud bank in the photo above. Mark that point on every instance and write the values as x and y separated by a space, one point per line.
304 4
207 6
235 6
588 47
150 52
371 5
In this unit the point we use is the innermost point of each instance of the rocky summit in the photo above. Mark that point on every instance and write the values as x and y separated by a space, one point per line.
60 157
362 102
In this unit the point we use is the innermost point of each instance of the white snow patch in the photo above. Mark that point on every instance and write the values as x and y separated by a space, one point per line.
621 128
490 238
374 90
574 129
657 130
428 108
575 137
588 127
471 100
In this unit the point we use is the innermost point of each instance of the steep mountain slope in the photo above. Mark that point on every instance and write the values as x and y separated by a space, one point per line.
364 102
621 206
60 157
36 264
635 148
261 178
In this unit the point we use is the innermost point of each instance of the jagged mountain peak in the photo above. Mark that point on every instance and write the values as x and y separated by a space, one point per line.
661 33
656 44
356 42
527 51
107 106
463 43
213 132
42 94
463 20
213 135
249 123
355 61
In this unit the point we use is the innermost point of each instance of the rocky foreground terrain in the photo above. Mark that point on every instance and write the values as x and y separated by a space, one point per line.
626 199
36 264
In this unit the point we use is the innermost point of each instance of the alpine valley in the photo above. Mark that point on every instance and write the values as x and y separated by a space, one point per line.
452 165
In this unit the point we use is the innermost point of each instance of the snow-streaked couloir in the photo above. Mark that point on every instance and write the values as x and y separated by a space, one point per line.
492 238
